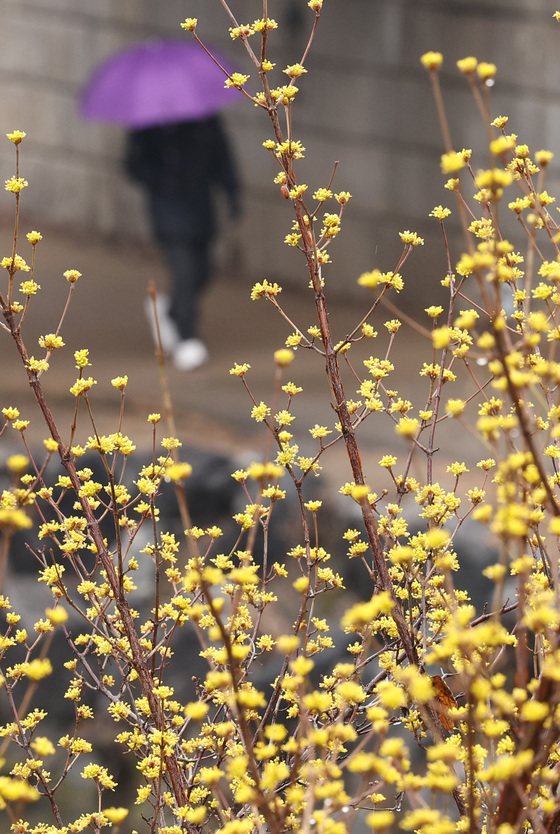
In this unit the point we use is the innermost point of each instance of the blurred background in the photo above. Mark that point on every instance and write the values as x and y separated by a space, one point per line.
365 102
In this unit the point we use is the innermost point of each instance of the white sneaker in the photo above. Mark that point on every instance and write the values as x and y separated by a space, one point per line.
189 354
168 332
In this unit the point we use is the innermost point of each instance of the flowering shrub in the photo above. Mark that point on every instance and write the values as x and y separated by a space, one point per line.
435 717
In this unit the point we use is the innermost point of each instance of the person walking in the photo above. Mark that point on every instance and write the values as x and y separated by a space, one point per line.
183 166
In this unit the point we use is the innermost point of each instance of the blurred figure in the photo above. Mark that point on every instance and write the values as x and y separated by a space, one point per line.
182 166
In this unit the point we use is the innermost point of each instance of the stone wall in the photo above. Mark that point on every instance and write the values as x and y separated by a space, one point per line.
365 103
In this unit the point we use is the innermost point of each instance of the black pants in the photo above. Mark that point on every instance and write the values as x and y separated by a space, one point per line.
184 232
188 262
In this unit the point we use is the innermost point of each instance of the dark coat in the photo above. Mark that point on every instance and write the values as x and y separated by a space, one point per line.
182 165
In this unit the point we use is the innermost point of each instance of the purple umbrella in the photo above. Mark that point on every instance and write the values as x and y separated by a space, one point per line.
157 82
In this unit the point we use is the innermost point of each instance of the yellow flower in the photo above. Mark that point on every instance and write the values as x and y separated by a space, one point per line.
319 431
16 136
100 775
16 184
239 370
81 386
411 238
322 194
51 341
432 61
392 325
10 413
57 615
370 279
467 65
297 191
457 468
493 179
362 614
14 519
342 197
37 669
178 472
17 464
534 711
265 289
116 815
240 32
283 357
14 263
441 337
295 70
500 122
486 71
34 237
264 24
455 407
29 287
359 491
519 204
120 382
260 412
37 365
391 694
454 160
236 79
501 145
190 25
196 710
43 746
407 426
380 820
301 585
542 158
440 212
72 275
452 184
82 358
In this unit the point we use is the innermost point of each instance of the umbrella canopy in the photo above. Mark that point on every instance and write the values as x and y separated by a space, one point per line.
157 82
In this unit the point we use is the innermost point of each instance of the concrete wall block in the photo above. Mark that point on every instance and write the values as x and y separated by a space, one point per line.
29 109
130 213
262 233
165 16
102 42
97 9
52 124
380 107
36 47
549 136
56 189
380 30
530 119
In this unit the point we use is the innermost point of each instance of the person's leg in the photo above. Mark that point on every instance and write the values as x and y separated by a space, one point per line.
189 265
188 262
